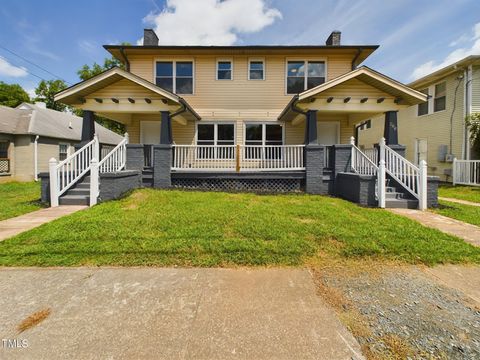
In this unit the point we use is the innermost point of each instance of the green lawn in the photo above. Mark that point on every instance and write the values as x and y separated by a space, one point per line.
18 198
153 227
466 213
469 193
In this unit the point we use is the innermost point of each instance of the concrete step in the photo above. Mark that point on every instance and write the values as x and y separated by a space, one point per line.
401 204
83 185
74 200
79 191
394 195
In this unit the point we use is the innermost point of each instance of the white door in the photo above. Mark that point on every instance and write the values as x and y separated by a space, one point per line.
150 132
328 132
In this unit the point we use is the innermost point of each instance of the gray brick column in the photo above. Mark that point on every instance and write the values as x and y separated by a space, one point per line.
314 164
432 191
342 158
135 157
162 165
399 149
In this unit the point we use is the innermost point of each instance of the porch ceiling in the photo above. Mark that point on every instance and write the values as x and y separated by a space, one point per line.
117 94
361 92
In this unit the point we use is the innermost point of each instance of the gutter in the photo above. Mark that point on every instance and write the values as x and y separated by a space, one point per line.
127 63
354 65
292 106
35 158
184 108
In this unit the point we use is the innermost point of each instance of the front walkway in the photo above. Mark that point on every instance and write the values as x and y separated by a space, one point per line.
155 313
19 224
469 233
458 201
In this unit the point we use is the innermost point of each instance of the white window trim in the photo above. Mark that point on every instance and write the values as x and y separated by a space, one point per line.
306 60
250 60
264 133
174 61
231 68
215 130
68 148
431 100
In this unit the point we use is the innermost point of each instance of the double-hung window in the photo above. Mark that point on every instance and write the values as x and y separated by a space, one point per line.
175 76
423 107
256 70
62 151
217 141
440 100
260 137
303 75
224 70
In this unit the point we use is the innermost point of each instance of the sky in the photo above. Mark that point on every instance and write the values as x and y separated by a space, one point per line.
51 39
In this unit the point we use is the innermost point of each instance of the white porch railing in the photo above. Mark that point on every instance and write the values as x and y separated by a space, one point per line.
372 154
466 172
66 173
361 163
409 176
238 157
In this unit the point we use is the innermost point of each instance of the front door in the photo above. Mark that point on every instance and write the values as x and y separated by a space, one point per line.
328 132
150 132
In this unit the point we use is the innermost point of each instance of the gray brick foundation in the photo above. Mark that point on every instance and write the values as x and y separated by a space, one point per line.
135 157
115 185
432 191
357 188
162 162
314 164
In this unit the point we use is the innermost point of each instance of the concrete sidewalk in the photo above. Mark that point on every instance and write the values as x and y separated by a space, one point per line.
19 224
155 313
469 233
458 201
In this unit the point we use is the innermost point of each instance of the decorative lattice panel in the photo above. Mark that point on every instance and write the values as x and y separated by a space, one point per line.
247 185
4 165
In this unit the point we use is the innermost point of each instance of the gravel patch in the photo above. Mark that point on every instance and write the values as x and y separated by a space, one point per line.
424 319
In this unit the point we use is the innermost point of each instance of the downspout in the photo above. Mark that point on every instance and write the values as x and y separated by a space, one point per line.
468 110
354 65
294 108
35 157
181 111
127 63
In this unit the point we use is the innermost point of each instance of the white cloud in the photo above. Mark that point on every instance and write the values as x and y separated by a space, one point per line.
87 46
7 69
454 56
210 22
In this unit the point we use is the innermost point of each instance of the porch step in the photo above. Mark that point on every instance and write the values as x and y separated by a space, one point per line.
147 177
84 190
74 200
401 203
394 195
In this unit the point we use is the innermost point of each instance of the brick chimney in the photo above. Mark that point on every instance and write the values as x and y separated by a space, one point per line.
149 38
334 39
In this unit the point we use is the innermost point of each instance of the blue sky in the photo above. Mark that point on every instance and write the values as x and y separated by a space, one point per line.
415 36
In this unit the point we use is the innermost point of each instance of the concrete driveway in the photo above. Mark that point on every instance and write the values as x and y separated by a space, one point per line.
155 313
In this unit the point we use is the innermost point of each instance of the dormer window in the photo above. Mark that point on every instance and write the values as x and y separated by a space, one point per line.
224 70
303 75
175 76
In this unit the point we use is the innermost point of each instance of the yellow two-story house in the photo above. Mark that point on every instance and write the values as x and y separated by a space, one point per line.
245 117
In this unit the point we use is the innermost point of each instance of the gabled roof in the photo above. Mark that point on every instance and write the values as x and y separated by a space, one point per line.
29 119
373 78
73 94
445 71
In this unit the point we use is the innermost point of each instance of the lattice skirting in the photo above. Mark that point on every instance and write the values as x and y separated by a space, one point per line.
246 185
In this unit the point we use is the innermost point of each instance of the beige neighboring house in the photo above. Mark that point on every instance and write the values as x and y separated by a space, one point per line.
435 131
31 134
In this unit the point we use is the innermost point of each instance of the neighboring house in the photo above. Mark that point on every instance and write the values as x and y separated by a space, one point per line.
31 134
435 130
258 118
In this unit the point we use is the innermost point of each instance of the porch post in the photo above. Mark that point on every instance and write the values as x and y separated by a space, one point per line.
88 127
166 128
390 132
311 128
163 154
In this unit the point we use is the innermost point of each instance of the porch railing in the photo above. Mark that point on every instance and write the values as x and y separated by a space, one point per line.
361 163
238 157
466 172
372 154
114 160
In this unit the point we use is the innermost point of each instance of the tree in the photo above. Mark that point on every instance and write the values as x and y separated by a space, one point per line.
473 122
46 91
12 95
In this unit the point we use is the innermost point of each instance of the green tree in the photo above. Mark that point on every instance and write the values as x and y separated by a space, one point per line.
473 122
46 91
12 95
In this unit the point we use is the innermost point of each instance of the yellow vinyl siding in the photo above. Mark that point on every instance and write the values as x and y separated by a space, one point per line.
23 158
476 89
434 127
124 89
211 95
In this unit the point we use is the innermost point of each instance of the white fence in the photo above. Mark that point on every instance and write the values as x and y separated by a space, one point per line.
466 172
361 163
238 157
